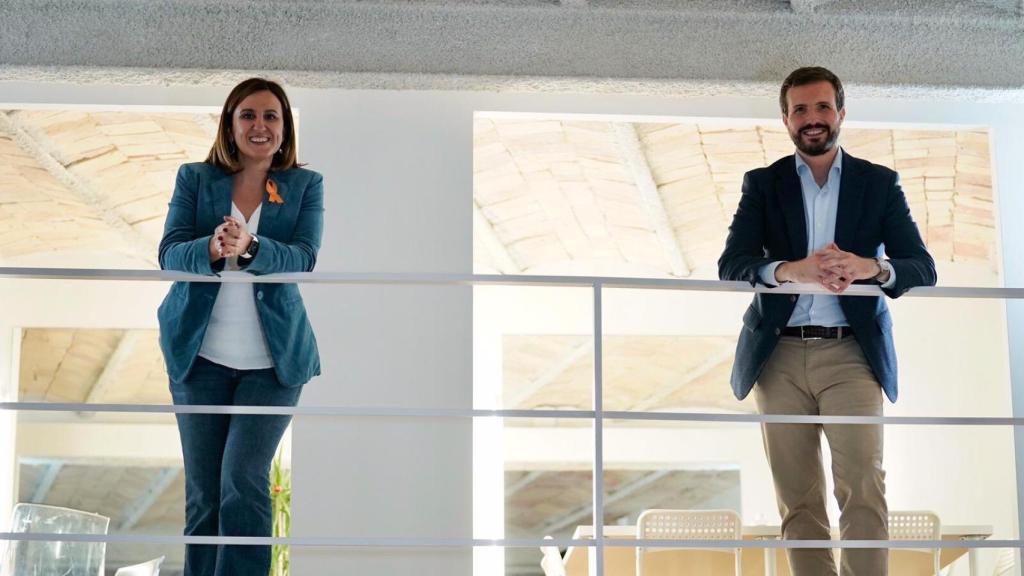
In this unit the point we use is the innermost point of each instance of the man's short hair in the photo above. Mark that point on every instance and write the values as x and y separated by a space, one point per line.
810 75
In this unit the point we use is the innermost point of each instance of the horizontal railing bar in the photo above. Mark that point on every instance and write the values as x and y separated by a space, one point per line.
294 410
806 419
501 542
353 278
357 411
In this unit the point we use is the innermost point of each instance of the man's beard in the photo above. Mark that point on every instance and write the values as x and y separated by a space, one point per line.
820 148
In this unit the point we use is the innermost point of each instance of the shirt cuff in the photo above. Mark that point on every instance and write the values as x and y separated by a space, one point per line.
767 273
887 266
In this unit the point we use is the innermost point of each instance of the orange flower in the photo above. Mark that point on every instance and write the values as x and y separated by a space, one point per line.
272 194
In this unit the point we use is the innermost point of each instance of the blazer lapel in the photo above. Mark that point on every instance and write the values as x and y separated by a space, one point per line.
220 197
851 195
792 200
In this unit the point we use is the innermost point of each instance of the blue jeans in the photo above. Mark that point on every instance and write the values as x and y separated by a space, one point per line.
227 464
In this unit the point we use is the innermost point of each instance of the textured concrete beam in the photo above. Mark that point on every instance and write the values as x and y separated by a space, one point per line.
804 6
1007 6
871 42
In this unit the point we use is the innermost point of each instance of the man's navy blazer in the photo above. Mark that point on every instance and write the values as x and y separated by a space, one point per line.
770 225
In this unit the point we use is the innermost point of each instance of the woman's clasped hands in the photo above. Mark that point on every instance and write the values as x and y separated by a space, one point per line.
231 238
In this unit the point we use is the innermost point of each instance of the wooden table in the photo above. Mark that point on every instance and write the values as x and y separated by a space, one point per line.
621 560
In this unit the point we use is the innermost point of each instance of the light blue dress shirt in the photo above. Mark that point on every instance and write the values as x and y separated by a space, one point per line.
820 206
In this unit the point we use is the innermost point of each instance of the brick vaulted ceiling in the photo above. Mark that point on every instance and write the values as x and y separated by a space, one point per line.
92 182
565 195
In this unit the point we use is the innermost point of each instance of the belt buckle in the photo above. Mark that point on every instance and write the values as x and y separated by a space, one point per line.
803 337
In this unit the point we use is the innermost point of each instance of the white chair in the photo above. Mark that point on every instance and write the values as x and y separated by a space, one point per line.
688 525
24 557
916 525
151 568
551 563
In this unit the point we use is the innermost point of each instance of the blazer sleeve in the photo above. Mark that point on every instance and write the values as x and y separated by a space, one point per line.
298 255
744 253
904 247
182 246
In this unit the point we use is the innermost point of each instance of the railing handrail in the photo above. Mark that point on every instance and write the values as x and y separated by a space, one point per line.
540 414
423 278
427 542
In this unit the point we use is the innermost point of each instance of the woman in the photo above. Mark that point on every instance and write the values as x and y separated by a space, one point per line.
249 207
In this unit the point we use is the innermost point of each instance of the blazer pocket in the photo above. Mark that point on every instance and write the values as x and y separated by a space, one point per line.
178 291
289 293
751 318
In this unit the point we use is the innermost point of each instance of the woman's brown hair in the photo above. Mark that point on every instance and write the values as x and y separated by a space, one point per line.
224 153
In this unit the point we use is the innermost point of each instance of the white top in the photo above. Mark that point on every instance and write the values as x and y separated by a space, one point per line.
234 337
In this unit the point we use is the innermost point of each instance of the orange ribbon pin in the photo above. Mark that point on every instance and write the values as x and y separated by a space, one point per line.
272 194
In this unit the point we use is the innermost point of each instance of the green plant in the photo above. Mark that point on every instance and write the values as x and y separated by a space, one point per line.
281 507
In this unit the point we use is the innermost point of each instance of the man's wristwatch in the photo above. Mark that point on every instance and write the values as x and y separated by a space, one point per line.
884 269
253 249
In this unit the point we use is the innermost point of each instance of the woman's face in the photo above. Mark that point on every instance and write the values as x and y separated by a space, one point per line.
258 126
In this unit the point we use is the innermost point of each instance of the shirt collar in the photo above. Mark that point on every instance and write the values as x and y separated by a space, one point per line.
837 164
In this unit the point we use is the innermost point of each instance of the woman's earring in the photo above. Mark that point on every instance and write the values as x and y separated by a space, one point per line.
231 148
280 150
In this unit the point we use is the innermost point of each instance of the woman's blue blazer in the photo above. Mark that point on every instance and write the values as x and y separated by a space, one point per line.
289 236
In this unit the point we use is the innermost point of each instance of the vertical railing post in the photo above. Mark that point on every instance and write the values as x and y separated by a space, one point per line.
598 437
1015 336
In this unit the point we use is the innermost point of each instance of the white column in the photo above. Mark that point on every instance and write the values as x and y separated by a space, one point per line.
10 344
398 196
1008 149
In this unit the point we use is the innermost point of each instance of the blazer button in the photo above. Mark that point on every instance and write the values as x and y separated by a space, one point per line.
259 295
778 331
792 297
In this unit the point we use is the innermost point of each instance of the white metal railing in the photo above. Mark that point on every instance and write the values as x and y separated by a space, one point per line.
385 278
385 412
382 542
597 415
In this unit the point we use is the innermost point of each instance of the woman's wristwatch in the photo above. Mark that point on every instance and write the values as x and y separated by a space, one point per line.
252 249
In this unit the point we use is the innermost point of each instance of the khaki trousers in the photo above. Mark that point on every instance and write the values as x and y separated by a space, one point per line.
827 378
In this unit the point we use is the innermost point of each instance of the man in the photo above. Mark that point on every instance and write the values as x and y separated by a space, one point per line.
823 217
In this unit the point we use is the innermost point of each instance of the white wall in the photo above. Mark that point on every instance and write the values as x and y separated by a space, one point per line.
399 181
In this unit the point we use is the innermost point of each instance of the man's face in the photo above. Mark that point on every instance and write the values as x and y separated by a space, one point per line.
812 119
